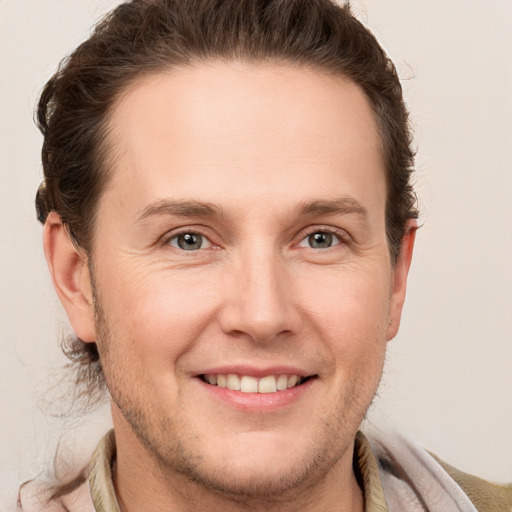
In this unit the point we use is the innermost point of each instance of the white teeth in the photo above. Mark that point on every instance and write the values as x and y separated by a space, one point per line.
282 382
233 382
292 380
248 384
267 385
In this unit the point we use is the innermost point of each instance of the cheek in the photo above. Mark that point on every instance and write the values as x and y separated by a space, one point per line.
152 324
350 313
352 301
158 315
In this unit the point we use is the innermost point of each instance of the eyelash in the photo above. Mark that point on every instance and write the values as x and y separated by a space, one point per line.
187 231
341 235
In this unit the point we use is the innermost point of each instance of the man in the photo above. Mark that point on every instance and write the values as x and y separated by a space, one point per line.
229 224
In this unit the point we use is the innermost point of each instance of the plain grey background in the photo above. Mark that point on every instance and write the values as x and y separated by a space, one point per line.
448 380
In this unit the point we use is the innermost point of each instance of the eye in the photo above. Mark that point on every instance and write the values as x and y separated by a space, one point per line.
189 241
320 240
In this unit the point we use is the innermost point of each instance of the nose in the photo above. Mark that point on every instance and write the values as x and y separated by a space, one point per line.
259 298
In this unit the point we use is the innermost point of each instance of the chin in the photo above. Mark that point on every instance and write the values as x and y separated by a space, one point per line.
260 465
248 481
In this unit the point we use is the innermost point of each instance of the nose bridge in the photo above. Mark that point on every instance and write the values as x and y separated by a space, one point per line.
260 305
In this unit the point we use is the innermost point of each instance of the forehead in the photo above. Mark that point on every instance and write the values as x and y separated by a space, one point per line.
267 128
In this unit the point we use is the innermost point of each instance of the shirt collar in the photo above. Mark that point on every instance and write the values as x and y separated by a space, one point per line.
101 477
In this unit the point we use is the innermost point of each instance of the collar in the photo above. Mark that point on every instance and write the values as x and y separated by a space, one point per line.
101 481
101 478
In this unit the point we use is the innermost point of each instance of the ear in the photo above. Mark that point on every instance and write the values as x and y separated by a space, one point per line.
70 276
399 279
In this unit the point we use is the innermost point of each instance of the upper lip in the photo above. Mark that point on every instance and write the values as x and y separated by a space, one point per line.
255 371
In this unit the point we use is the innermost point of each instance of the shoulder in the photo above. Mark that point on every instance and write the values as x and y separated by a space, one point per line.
486 496
411 474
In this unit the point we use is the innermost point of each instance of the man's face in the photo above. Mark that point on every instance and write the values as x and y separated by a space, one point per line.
242 240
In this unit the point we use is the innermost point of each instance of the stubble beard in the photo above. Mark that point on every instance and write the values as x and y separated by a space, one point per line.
172 445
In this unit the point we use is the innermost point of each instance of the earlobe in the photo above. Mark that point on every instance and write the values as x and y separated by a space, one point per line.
70 276
400 274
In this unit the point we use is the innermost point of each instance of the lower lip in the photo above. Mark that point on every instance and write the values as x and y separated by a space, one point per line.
258 402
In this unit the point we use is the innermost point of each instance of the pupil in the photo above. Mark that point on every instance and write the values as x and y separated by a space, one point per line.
320 240
189 241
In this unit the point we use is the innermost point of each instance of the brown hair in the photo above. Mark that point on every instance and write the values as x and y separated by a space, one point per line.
145 36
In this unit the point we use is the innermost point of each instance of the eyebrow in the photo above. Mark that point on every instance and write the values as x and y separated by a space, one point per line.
342 206
180 208
165 207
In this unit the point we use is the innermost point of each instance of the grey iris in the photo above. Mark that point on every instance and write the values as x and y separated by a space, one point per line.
190 241
320 240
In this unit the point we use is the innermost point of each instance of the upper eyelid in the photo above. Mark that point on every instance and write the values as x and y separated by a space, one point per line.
197 230
342 234
309 230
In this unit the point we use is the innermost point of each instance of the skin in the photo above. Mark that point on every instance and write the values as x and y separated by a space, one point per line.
277 153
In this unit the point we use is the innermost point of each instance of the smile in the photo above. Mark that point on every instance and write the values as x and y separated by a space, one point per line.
249 384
